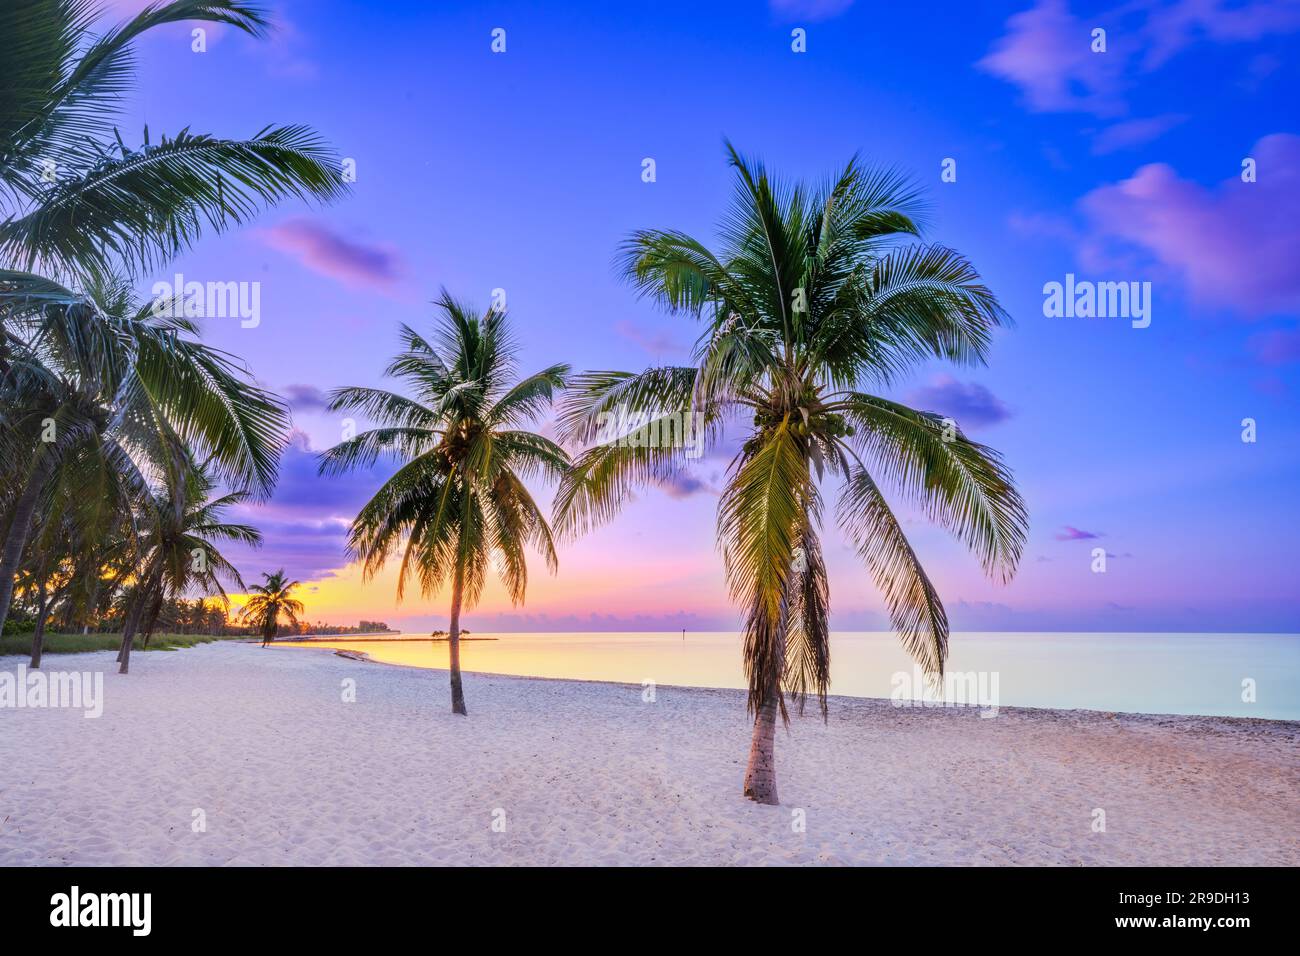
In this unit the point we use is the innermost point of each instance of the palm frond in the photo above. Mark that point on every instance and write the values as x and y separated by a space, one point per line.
139 208
962 485
759 516
914 607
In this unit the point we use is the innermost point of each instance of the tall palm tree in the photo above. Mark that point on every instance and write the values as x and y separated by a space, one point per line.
270 602
78 208
812 297
462 440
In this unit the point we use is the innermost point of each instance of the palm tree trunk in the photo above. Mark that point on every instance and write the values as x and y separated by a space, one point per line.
16 539
760 775
92 603
453 646
38 635
128 622
128 631
151 619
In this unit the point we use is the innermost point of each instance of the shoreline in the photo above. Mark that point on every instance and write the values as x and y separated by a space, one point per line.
308 759
364 658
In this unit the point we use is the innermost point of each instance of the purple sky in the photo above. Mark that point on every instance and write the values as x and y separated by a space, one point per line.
522 171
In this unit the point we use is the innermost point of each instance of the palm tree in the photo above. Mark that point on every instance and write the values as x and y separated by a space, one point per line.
185 525
78 210
462 440
82 200
271 601
813 296
71 522
124 396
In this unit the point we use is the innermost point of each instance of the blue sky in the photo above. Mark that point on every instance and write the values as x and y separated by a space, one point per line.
522 171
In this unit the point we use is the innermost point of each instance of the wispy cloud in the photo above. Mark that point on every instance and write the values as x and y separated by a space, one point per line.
1173 27
655 342
306 397
967 403
1234 244
1046 50
813 10
1135 132
327 252
1071 533
684 485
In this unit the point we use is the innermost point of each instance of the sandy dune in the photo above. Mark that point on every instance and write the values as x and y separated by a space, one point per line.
285 772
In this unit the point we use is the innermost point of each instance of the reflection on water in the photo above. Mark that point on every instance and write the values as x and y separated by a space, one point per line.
1144 673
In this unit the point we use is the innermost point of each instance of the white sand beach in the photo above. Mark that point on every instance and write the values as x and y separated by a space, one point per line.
285 772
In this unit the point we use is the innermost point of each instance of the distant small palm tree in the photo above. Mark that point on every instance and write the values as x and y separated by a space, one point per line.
814 296
269 602
458 498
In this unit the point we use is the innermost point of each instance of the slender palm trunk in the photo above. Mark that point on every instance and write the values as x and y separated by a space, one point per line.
38 635
151 619
92 605
453 646
129 620
20 527
128 631
760 774
124 653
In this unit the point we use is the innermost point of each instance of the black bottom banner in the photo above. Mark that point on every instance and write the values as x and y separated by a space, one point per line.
343 905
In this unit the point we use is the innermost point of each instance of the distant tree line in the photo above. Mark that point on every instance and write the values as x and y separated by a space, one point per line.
176 616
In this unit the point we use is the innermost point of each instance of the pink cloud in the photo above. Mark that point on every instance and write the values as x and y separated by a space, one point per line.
970 404
1070 533
325 251
1046 52
1174 27
1235 245
1046 49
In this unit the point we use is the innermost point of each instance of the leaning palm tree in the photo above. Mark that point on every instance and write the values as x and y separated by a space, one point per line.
270 602
813 297
459 497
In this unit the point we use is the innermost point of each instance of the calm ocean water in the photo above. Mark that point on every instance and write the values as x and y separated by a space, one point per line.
1140 673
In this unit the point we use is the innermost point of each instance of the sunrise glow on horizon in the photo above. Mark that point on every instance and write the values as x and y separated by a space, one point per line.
1121 438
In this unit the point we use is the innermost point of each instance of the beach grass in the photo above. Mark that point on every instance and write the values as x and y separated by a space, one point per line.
21 644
